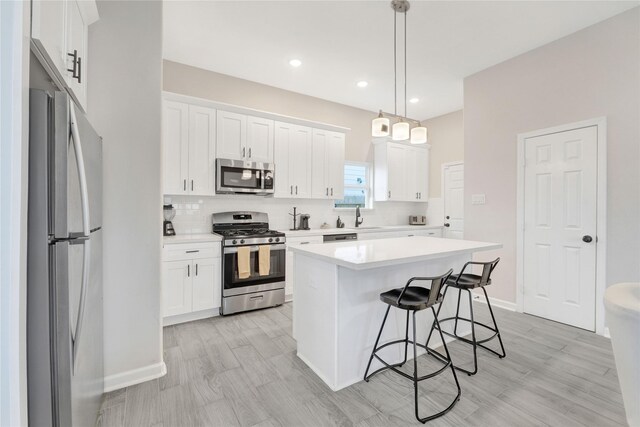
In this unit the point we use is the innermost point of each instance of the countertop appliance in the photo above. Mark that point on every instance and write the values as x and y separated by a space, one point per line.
417 220
64 264
167 226
304 222
240 177
330 238
250 229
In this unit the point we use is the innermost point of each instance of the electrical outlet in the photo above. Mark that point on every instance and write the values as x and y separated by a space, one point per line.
477 199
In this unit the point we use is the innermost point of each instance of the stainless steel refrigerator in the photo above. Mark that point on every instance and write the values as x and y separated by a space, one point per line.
64 264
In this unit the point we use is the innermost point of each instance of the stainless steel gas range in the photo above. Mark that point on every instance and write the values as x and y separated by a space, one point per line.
253 261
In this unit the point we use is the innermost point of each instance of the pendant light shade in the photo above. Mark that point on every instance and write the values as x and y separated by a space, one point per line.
400 131
419 135
380 127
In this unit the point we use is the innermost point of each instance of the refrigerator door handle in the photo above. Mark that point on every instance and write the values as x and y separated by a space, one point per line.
82 176
86 262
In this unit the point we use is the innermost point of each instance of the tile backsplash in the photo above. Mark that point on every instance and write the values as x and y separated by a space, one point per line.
193 213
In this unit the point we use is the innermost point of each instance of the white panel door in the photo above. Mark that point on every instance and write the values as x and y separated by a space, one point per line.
560 225
202 156
453 182
176 287
320 146
231 132
300 162
282 153
335 165
397 173
175 147
259 139
206 272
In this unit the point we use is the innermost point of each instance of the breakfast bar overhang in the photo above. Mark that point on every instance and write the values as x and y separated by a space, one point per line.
337 311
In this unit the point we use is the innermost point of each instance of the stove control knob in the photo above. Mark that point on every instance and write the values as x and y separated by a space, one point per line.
270 239
277 239
242 241
234 241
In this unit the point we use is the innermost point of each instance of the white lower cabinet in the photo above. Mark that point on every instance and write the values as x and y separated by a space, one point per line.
291 241
191 281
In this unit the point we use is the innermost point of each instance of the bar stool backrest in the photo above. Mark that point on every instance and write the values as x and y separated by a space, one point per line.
434 290
487 269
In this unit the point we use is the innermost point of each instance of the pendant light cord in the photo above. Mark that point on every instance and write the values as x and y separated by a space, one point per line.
405 63
395 65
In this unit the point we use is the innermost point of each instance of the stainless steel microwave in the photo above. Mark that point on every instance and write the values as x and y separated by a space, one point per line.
239 177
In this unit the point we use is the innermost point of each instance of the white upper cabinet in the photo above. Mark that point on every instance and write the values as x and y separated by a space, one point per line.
242 137
293 160
188 140
60 31
401 173
175 144
327 179
202 156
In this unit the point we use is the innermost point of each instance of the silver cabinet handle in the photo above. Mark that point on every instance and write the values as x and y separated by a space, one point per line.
243 151
332 191
193 251
304 243
196 269
191 185
249 152
296 189
327 191
389 194
188 270
291 192
184 185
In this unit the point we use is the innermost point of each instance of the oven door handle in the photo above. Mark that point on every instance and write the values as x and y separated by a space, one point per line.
254 248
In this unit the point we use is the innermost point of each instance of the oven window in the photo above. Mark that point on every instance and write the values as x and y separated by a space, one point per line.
276 270
240 178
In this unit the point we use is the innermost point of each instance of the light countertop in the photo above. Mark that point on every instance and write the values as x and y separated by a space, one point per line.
359 230
191 238
364 254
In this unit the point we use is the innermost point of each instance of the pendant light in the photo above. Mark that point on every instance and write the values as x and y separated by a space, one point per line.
401 130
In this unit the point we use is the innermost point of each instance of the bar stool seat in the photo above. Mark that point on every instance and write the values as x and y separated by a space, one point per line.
467 281
413 299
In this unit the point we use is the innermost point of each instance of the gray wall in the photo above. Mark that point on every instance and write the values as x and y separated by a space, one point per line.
124 77
594 72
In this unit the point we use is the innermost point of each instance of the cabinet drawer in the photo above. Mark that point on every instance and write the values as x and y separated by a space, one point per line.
304 240
184 251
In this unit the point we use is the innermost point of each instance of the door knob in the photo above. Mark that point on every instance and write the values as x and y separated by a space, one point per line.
446 224
447 217
587 239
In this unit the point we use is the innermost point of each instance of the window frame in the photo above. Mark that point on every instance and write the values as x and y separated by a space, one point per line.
368 188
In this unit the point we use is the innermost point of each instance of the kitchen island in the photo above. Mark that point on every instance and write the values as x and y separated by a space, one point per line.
337 311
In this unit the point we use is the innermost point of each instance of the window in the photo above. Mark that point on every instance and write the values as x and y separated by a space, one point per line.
357 186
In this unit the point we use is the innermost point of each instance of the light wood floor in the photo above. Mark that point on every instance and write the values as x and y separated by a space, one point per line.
242 370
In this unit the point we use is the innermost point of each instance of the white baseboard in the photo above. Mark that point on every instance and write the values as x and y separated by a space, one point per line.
134 376
495 302
190 317
606 332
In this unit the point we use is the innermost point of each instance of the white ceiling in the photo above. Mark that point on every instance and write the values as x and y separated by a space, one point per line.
343 42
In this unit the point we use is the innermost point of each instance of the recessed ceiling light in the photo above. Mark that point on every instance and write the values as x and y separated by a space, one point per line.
414 100
362 83
295 63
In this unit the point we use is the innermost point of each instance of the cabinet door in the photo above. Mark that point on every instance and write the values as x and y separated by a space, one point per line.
202 128
335 165
397 174
412 173
300 162
282 153
76 42
206 274
48 31
319 148
259 140
175 143
176 287
422 173
231 141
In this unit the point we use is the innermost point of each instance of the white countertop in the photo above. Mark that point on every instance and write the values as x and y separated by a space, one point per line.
364 254
191 238
363 229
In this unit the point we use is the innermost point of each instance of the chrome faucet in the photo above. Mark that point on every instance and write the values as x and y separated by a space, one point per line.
359 218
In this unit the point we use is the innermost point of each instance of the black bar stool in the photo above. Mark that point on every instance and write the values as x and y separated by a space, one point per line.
414 299
468 282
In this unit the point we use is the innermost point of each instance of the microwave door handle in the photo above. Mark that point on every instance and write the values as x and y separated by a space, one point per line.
82 176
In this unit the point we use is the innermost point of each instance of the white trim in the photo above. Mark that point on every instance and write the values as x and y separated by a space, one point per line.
189 317
171 96
601 213
443 167
495 302
134 376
